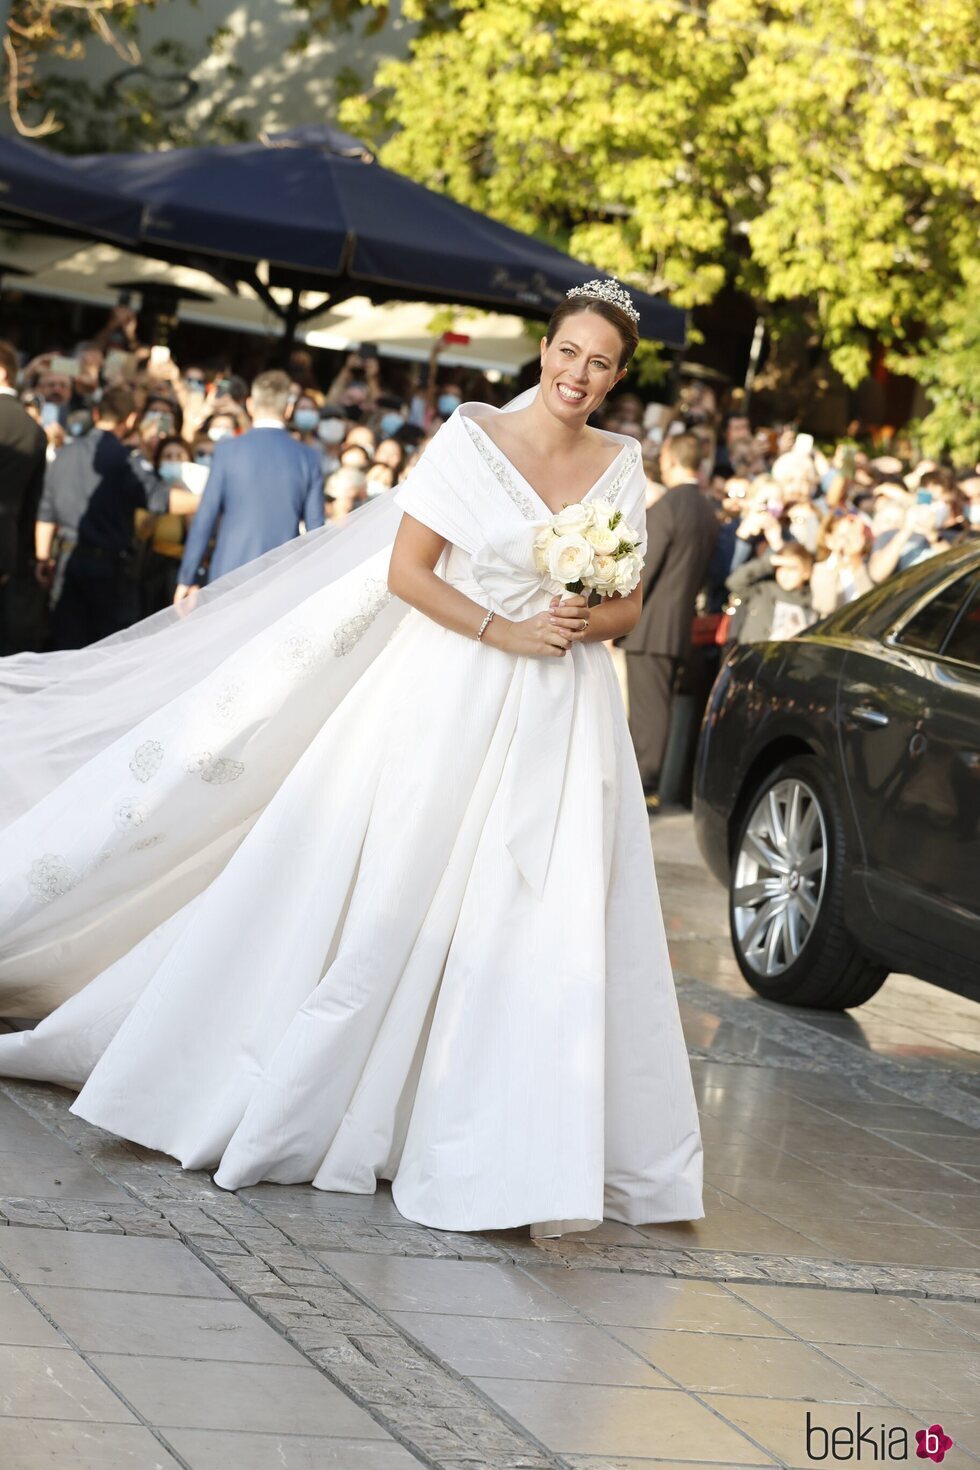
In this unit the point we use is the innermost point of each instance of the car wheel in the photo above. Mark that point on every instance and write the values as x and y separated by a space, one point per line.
786 901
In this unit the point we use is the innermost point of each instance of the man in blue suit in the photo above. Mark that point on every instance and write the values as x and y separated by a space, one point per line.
261 487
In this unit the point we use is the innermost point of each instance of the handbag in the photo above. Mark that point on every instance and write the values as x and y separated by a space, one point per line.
710 630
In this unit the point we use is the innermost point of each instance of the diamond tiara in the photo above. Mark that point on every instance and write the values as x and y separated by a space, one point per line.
610 291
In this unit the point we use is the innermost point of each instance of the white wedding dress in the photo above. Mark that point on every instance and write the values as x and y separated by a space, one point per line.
309 888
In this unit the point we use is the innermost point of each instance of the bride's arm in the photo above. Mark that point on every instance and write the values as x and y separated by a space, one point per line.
411 577
610 618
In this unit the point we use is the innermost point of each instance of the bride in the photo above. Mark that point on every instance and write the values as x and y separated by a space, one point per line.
345 874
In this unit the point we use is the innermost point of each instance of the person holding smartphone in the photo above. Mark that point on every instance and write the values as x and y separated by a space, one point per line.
358 383
923 532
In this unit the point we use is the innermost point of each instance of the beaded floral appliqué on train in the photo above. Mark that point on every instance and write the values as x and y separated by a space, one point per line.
217 770
375 595
51 876
146 760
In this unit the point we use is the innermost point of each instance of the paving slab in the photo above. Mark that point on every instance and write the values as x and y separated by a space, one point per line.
595 1419
49 1444
54 1383
145 1325
554 1352
109 1263
205 1449
259 1397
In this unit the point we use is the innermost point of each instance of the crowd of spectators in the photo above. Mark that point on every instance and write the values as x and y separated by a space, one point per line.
365 430
802 529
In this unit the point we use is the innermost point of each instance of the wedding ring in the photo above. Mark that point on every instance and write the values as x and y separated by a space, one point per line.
585 623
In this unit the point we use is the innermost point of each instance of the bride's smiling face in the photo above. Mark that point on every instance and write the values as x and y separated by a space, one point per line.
579 366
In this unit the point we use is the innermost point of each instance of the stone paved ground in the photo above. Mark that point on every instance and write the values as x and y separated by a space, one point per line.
148 1319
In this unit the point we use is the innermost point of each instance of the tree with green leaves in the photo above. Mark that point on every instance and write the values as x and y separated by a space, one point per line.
823 158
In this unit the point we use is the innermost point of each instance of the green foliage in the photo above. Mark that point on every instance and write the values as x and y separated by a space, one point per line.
950 374
820 155
650 367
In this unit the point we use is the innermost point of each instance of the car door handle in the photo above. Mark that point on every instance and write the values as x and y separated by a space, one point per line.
866 714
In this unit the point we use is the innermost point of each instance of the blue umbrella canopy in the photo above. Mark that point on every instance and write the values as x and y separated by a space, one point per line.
39 187
327 216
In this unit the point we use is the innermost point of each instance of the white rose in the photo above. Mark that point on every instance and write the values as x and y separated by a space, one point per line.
600 536
602 513
572 520
604 570
627 574
569 558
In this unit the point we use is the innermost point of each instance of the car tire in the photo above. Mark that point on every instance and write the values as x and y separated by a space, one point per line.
786 894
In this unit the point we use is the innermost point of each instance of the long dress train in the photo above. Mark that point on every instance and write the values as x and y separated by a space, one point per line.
399 924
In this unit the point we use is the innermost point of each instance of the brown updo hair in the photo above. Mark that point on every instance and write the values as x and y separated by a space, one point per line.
625 325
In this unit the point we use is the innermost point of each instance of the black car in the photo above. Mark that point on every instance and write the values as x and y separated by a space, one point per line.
837 793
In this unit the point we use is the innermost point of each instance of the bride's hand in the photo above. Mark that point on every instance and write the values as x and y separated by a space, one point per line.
570 615
547 634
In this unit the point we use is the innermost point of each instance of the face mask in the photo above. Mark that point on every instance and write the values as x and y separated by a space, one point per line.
306 420
332 431
390 424
973 512
940 514
171 469
195 386
76 430
447 403
214 434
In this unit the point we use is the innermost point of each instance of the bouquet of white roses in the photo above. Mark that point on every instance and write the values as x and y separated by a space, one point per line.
588 548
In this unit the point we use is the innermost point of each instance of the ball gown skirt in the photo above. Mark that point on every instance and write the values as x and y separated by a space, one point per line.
407 930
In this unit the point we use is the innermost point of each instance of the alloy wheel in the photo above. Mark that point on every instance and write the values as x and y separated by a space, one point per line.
779 876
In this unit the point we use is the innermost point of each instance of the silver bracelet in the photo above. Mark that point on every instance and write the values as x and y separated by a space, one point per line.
484 625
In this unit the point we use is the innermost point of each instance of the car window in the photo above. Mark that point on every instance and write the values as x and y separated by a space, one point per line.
928 628
963 642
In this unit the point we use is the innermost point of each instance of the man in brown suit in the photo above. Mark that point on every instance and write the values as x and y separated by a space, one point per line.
22 459
682 529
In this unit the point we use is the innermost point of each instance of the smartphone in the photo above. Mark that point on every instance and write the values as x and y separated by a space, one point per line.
804 443
368 351
119 365
49 415
159 355
923 497
68 367
195 477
